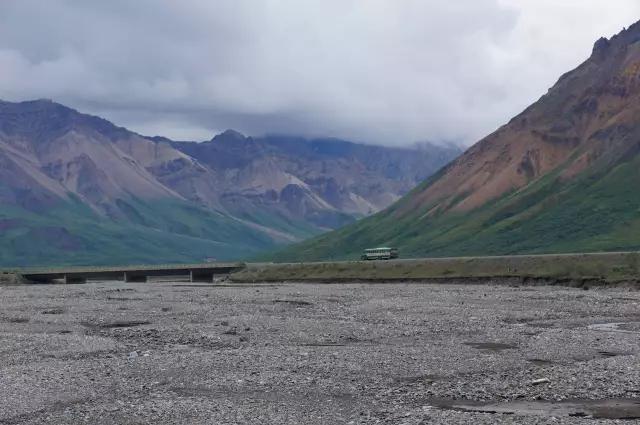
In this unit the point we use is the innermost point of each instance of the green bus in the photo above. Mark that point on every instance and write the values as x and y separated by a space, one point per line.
382 253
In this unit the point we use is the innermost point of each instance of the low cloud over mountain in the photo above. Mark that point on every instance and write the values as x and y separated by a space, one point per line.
380 71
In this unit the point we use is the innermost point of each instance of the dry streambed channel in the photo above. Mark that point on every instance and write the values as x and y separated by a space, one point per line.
168 352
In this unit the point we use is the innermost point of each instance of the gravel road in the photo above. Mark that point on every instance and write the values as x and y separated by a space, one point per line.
176 353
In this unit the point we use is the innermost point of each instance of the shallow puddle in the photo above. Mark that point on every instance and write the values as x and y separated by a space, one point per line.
223 286
614 353
491 346
541 362
117 324
600 355
429 378
621 327
542 325
322 344
293 302
627 409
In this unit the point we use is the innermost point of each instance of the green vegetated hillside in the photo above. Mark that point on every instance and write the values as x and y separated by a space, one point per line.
563 176
595 213
158 232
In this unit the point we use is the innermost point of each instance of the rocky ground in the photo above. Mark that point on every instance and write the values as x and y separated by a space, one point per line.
174 352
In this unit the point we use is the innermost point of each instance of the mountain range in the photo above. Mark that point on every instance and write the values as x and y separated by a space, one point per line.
77 189
562 176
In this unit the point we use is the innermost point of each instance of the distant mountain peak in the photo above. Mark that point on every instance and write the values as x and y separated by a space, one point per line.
600 48
634 29
46 120
604 46
229 134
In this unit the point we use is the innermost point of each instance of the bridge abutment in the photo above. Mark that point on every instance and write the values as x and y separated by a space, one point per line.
202 277
137 278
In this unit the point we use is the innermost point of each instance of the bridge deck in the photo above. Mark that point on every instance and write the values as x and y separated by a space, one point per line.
197 272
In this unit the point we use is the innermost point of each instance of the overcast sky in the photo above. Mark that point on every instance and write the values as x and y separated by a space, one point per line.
379 71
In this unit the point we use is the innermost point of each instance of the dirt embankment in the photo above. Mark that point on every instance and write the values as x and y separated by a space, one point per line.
11 279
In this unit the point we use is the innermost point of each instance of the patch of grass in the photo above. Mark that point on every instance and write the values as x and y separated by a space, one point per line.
610 267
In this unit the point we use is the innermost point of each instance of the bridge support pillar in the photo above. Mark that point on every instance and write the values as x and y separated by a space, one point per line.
200 276
129 277
74 280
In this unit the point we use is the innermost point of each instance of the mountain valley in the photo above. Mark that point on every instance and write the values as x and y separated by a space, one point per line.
76 189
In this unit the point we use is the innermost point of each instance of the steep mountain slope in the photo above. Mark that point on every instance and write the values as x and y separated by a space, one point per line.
65 152
561 176
76 189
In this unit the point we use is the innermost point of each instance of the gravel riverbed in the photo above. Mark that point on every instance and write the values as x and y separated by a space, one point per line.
178 353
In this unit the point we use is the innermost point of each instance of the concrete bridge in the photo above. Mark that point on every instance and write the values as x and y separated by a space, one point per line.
195 272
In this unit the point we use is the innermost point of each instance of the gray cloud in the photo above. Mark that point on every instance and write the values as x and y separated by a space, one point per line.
381 71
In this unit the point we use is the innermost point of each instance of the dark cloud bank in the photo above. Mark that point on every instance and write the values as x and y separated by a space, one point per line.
377 71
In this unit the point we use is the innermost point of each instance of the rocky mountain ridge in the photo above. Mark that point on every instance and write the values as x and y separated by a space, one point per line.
274 189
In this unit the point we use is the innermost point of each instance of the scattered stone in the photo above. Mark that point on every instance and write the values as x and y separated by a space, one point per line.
540 381
383 354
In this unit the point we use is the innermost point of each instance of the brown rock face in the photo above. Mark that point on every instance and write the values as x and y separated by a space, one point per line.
323 182
589 116
56 151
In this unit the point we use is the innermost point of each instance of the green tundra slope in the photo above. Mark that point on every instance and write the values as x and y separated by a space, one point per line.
154 233
563 176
